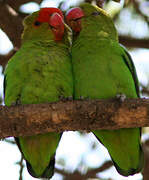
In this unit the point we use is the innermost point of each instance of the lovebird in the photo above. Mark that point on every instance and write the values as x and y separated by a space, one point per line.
40 72
103 69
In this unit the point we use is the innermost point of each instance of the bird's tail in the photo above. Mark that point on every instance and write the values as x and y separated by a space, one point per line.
124 148
39 153
47 173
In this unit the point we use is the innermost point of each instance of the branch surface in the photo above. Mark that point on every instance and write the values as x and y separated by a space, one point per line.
24 120
133 42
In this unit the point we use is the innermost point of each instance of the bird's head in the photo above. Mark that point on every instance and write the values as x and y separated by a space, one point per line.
45 23
92 20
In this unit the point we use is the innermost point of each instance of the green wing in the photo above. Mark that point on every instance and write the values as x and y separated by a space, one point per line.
129 63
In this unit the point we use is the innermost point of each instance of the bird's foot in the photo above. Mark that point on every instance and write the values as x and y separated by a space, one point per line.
13 104
69 98
121 97
62 98
17 102
83 98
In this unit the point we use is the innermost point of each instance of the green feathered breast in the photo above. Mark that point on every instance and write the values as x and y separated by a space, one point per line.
39 72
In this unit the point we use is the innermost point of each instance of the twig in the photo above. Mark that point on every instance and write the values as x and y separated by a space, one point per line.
92 173
4 58
20 163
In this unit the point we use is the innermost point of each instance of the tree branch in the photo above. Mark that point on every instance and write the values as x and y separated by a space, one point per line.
23 120
134 42
4 58
20 163
91 173
11 24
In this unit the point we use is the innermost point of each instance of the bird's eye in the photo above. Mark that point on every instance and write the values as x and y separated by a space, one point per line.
37 23
95 13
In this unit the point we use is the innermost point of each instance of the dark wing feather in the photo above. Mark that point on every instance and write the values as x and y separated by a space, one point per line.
129 62
4 85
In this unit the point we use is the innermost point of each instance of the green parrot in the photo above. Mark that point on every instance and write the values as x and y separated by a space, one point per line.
103 69
40 72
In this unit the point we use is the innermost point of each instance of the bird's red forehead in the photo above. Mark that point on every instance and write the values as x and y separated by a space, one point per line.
74 13
45 13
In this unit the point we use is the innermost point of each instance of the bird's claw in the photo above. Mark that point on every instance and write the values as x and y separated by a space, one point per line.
62 98
121 97
13 104
83 98
69 98
17 102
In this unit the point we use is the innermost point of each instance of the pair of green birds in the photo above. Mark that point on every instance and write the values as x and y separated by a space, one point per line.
48 67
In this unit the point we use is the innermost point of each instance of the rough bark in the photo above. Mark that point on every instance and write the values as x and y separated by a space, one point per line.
73 115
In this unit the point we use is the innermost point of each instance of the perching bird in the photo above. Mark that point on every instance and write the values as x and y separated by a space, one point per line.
40 72
103 69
